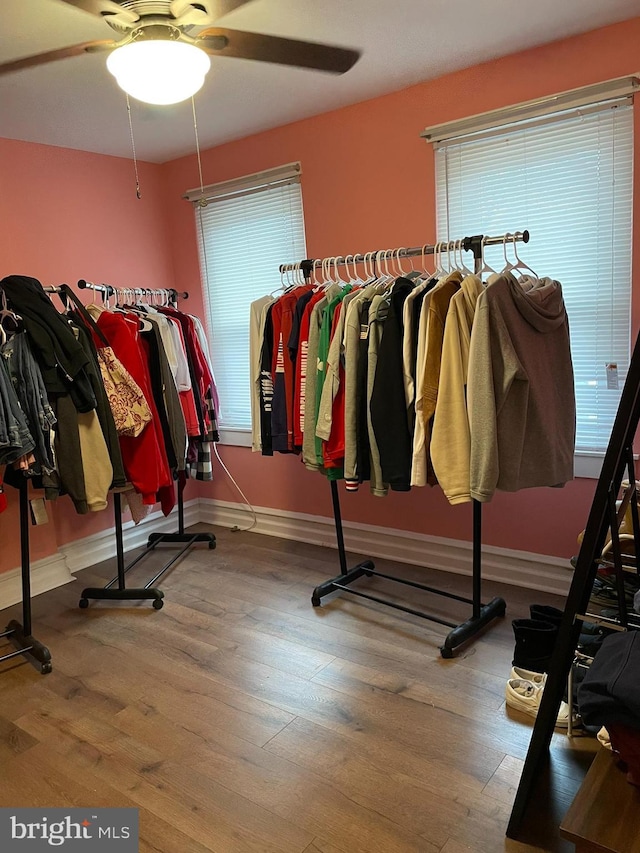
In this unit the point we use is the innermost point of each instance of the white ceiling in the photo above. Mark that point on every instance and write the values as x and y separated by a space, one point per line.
76 102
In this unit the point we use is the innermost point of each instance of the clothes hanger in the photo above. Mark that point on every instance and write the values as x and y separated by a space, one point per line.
508 266
454 258
464 269
485 269
369 272
339 280
520 264
324 274
350 273
382 277
438 271
402 273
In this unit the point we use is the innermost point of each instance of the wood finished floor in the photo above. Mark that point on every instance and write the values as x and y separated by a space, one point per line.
240 719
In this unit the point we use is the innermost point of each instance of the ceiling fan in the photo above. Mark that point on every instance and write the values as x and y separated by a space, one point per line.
160 39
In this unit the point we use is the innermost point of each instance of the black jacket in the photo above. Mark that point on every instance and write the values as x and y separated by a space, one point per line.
388 404
610 692
61 358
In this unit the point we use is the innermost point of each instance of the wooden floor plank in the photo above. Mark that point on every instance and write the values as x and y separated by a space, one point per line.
240 719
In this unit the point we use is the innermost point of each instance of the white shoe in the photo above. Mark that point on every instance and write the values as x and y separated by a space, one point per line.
537 678
525 696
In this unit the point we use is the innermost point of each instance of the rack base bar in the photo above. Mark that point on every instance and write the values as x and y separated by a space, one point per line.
104 594
188 540
35 652
326 588
157 538
417 585
457 637
464 632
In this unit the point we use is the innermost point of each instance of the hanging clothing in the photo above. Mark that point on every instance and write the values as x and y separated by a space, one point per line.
385 380
144 456
15 438
301 372
28 385
377 316
388 401
309 405
451 439
521 399
257 321
59 355
266 384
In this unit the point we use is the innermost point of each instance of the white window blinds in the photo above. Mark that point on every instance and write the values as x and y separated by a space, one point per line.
244 235
568 179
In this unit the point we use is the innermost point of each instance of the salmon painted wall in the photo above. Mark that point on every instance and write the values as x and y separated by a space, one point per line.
66 215
368 182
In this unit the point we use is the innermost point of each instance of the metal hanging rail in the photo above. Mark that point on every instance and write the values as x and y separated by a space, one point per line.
481 614
110 290
466 243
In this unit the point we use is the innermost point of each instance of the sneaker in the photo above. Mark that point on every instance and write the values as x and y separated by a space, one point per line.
537 678
525 696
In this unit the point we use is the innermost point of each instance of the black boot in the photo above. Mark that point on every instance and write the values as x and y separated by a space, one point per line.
535 640
546 613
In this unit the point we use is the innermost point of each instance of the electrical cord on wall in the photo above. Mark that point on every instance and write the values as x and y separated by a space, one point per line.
235 528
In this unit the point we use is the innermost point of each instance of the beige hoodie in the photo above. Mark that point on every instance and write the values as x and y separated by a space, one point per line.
450 438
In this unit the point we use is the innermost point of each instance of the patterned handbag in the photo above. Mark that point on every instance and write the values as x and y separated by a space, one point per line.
129 406
131 412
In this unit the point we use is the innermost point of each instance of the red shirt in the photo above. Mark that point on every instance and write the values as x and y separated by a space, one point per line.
144 456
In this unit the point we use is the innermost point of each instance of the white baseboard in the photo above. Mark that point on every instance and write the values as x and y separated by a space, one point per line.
102 546
46 574
518 568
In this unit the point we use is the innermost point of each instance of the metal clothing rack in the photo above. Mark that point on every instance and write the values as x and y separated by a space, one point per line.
19 634
116 589
481 614
603 518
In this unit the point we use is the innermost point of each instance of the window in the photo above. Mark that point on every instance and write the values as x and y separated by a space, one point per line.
566 177
246 229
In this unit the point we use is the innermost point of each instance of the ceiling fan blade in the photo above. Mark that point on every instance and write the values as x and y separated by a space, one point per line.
302 54
105 9
53 55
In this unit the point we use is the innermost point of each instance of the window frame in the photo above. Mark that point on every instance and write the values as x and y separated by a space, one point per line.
253 184
587 462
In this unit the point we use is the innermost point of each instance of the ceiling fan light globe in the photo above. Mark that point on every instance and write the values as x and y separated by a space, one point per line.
158 71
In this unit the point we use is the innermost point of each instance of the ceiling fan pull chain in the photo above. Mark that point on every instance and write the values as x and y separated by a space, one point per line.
195 129
133 148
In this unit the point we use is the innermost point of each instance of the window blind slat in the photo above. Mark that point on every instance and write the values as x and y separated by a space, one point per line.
242 241
570 183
